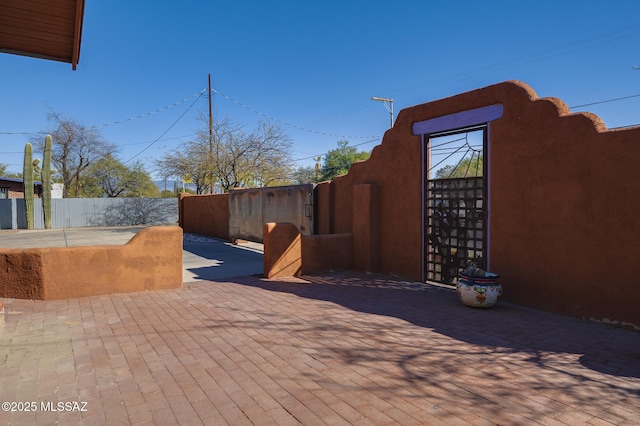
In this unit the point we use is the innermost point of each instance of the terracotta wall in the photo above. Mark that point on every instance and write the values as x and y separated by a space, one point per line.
205 214
151 260
563 203
288 253
390 214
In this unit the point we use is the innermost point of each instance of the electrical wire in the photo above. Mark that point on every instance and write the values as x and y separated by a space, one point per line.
536 56
325 153
137 117
166 131
247 107
606 101
22 133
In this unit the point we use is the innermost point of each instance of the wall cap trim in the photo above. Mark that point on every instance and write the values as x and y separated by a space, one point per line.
458 120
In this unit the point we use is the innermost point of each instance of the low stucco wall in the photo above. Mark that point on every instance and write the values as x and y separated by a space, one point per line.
282 250
287 253
151 260
324 253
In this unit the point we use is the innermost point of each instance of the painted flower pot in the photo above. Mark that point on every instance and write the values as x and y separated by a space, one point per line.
479 292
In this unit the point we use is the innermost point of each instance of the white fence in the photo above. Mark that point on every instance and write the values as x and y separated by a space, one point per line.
84 212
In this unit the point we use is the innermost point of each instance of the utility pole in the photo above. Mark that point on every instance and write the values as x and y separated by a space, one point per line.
210 162
388 104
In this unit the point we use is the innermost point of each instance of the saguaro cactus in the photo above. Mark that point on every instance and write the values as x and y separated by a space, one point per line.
27 177
46 182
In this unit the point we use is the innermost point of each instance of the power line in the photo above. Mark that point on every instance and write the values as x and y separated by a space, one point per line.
22 133
536 56
168 129
229 98
606 101
137 117
158 140
324 153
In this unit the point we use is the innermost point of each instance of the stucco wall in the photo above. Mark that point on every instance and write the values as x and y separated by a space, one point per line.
205 214
325 253
242 213
151 260
391 215
250 209
288 253
563 202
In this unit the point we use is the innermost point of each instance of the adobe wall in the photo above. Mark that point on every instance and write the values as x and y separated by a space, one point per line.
326 253
563 202
288 253
205 214
283 250
151 260
395 169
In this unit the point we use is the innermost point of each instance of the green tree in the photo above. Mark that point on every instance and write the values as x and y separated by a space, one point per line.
304 175
142 185
308 174
469 166
5 173
109 177
338 161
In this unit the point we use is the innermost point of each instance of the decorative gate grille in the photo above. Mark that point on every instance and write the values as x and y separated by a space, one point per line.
455 227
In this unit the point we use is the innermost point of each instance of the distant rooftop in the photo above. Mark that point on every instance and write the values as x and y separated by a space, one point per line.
18 180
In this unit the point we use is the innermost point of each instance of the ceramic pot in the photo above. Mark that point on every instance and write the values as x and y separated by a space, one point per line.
479 292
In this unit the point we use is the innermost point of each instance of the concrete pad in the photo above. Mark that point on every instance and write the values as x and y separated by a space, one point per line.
69 237
212 259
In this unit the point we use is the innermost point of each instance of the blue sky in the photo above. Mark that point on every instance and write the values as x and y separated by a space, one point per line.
315 66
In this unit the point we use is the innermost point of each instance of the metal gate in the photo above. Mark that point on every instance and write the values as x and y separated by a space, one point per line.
455 207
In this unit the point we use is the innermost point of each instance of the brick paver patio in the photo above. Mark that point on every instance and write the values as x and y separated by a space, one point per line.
336 349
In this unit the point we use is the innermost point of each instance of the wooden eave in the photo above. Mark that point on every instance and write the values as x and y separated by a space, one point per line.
47 29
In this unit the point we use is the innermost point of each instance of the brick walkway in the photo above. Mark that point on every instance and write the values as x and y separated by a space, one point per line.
336 349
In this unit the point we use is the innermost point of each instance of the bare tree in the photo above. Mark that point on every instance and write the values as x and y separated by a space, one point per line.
75 147
259 158
232 158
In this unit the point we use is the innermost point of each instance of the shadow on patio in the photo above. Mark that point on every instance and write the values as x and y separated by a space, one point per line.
505 328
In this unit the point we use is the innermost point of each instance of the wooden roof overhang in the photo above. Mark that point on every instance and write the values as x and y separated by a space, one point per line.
47 29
